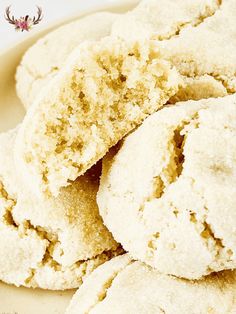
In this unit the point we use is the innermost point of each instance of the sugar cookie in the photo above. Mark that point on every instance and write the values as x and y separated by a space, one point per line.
49 243
126 286
168 195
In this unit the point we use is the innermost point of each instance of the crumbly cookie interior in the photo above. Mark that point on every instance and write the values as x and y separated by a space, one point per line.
46 57
107 90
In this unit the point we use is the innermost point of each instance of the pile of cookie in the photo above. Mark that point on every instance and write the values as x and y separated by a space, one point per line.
126 162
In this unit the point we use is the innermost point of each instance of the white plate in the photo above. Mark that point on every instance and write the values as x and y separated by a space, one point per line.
22 300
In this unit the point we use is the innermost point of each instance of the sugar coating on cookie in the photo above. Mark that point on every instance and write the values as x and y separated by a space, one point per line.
49 243
168 194
198 37
106 89
162 19
122 285
207 52
46 57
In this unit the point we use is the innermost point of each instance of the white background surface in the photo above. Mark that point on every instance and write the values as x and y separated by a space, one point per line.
52 10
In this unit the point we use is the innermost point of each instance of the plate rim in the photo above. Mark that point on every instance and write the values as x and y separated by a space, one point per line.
110 7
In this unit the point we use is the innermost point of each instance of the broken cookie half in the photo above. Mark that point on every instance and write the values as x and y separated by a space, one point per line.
128 286
168 194
105 90
49 243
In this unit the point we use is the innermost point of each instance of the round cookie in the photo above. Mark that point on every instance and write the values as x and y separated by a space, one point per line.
198 37
47 56
105 90
49 243
126 286
168 194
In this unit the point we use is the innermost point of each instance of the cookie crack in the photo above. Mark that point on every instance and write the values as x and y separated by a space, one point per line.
208 12
217 77
36 77
205 230
7 217
174 168
209 233
48 260
39 76
107 285
25 226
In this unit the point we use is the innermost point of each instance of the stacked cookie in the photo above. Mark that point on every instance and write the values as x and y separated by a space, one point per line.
152 94
51 242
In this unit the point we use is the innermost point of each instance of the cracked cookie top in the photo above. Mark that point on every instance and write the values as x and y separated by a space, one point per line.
168 194
198 37
50 243
126 286
162 19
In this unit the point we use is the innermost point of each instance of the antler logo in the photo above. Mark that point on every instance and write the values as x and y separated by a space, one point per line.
23 23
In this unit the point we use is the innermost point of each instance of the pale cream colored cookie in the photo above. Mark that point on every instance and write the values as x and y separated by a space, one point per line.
44 59
49 243
169 193
47 56
105 90
207 52
124 286
162 19
198 37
